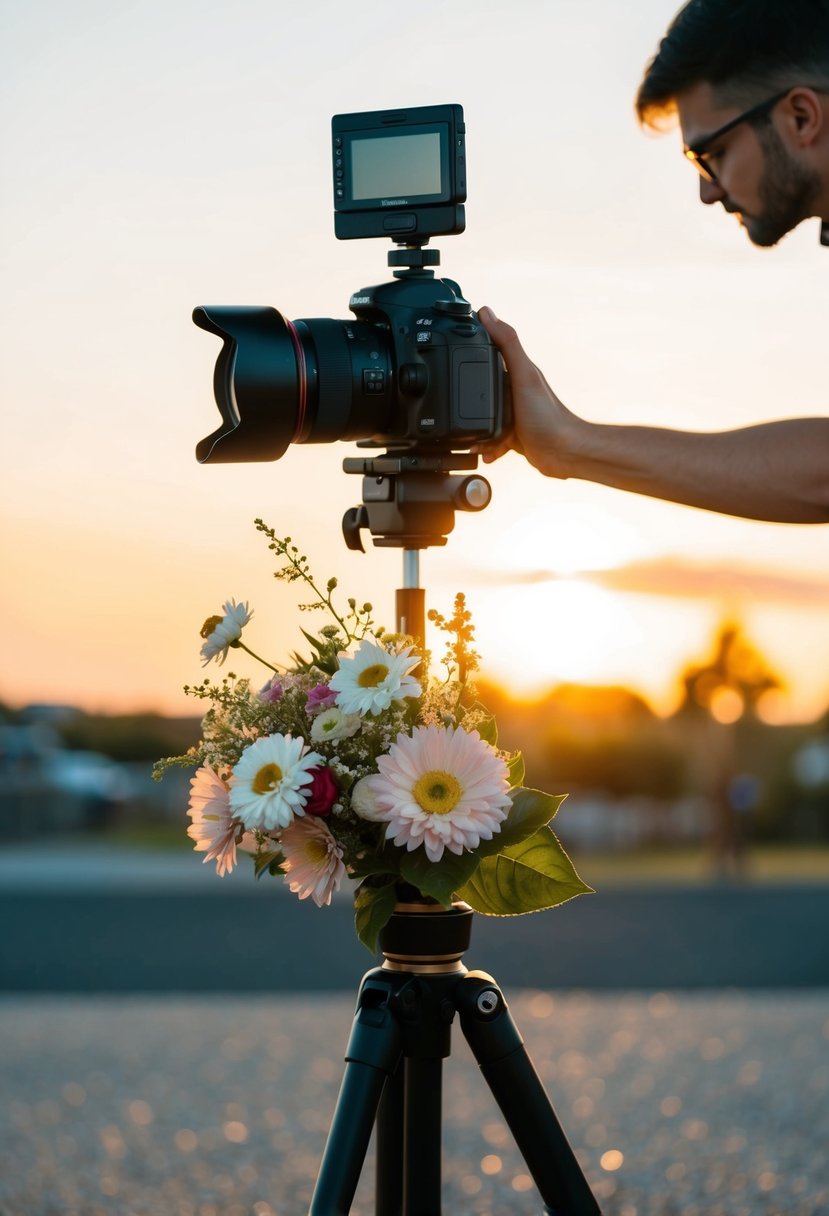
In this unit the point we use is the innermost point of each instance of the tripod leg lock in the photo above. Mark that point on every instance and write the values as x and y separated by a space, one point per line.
485 1018
375 1034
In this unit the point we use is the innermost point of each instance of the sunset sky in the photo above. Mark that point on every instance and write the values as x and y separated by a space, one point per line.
158 156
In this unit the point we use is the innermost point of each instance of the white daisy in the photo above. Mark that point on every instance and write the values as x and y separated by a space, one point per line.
213 827
368 681
313 860
333 724
221 632
269 781
444 788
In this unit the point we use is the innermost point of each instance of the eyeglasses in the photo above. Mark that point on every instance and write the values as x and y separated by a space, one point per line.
696 153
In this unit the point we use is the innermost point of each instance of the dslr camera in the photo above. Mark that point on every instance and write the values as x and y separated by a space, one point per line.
413 371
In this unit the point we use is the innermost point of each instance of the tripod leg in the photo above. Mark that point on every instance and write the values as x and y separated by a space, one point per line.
516 1087
422 1137
409 1148
373 1052
388 1194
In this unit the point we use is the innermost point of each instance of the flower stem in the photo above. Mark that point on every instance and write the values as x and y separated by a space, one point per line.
241 645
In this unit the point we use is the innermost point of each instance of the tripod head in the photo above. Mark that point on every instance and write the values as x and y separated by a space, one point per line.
410 497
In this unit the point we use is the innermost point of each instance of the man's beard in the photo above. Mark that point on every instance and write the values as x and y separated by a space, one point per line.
787 192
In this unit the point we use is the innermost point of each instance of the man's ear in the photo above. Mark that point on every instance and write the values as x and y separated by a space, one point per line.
802 112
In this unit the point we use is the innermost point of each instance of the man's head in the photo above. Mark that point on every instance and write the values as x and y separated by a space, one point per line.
754 75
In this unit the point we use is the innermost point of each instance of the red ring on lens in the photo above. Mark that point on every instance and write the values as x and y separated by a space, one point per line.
302 403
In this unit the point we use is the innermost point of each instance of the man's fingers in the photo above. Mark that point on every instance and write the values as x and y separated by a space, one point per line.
503 335
520 366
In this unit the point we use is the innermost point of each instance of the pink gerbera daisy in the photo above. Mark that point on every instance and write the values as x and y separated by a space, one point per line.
213 827
444 788
313 860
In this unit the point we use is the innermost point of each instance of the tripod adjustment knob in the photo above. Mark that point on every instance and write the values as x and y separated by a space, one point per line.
487 1002
473 494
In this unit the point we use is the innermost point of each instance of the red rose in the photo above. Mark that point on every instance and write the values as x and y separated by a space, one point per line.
323 792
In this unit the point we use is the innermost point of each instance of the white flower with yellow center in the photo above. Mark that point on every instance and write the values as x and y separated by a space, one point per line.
443 788
368 681
269 782
333 724
313 860
222 632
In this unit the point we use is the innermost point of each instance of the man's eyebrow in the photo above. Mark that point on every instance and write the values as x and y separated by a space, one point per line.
703 139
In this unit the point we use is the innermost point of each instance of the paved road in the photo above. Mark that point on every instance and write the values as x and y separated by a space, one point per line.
691 1104
100 920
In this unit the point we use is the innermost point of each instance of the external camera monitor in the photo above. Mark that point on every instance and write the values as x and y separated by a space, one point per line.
399 174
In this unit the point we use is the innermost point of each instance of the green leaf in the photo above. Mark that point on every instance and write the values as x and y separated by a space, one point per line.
267 861
373 906
488 730
526 877
309 637
531 810
440 879
385 862
516 770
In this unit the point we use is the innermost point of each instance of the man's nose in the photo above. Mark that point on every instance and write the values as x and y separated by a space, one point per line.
710 192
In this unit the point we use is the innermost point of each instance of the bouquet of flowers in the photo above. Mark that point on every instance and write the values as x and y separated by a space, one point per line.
358 761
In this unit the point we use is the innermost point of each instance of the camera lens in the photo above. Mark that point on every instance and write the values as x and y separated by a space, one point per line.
347 369
279 382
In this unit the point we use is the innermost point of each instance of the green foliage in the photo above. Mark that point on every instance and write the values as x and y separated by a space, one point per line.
373 905
268 862
438 879
355 624
531 810
530 876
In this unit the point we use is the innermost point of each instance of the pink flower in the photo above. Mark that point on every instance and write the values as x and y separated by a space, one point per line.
313 860
272 691
324 792
444 788
213 827
320 697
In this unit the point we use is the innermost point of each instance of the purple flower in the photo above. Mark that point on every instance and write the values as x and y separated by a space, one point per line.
272 691
320 697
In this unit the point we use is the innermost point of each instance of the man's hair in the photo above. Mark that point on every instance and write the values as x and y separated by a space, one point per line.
746 49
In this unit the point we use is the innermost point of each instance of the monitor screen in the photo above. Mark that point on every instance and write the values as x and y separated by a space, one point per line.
395 166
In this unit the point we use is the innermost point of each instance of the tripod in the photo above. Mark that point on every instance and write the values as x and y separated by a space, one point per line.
401 1035
393 1074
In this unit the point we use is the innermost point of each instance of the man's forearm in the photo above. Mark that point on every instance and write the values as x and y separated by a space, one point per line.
777 471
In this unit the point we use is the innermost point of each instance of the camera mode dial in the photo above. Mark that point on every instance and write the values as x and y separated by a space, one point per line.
453 308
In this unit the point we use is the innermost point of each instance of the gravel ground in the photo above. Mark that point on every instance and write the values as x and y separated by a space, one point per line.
677 1105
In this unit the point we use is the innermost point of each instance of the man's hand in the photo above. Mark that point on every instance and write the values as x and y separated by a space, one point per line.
543 429
776 471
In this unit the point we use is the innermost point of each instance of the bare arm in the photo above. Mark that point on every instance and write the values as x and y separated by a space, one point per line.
776 471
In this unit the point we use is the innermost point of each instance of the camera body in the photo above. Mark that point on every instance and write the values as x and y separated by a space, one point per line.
443 384
414 370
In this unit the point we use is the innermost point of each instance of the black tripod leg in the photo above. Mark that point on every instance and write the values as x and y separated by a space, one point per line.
372 1055
516 1087
388 1194
422 1137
